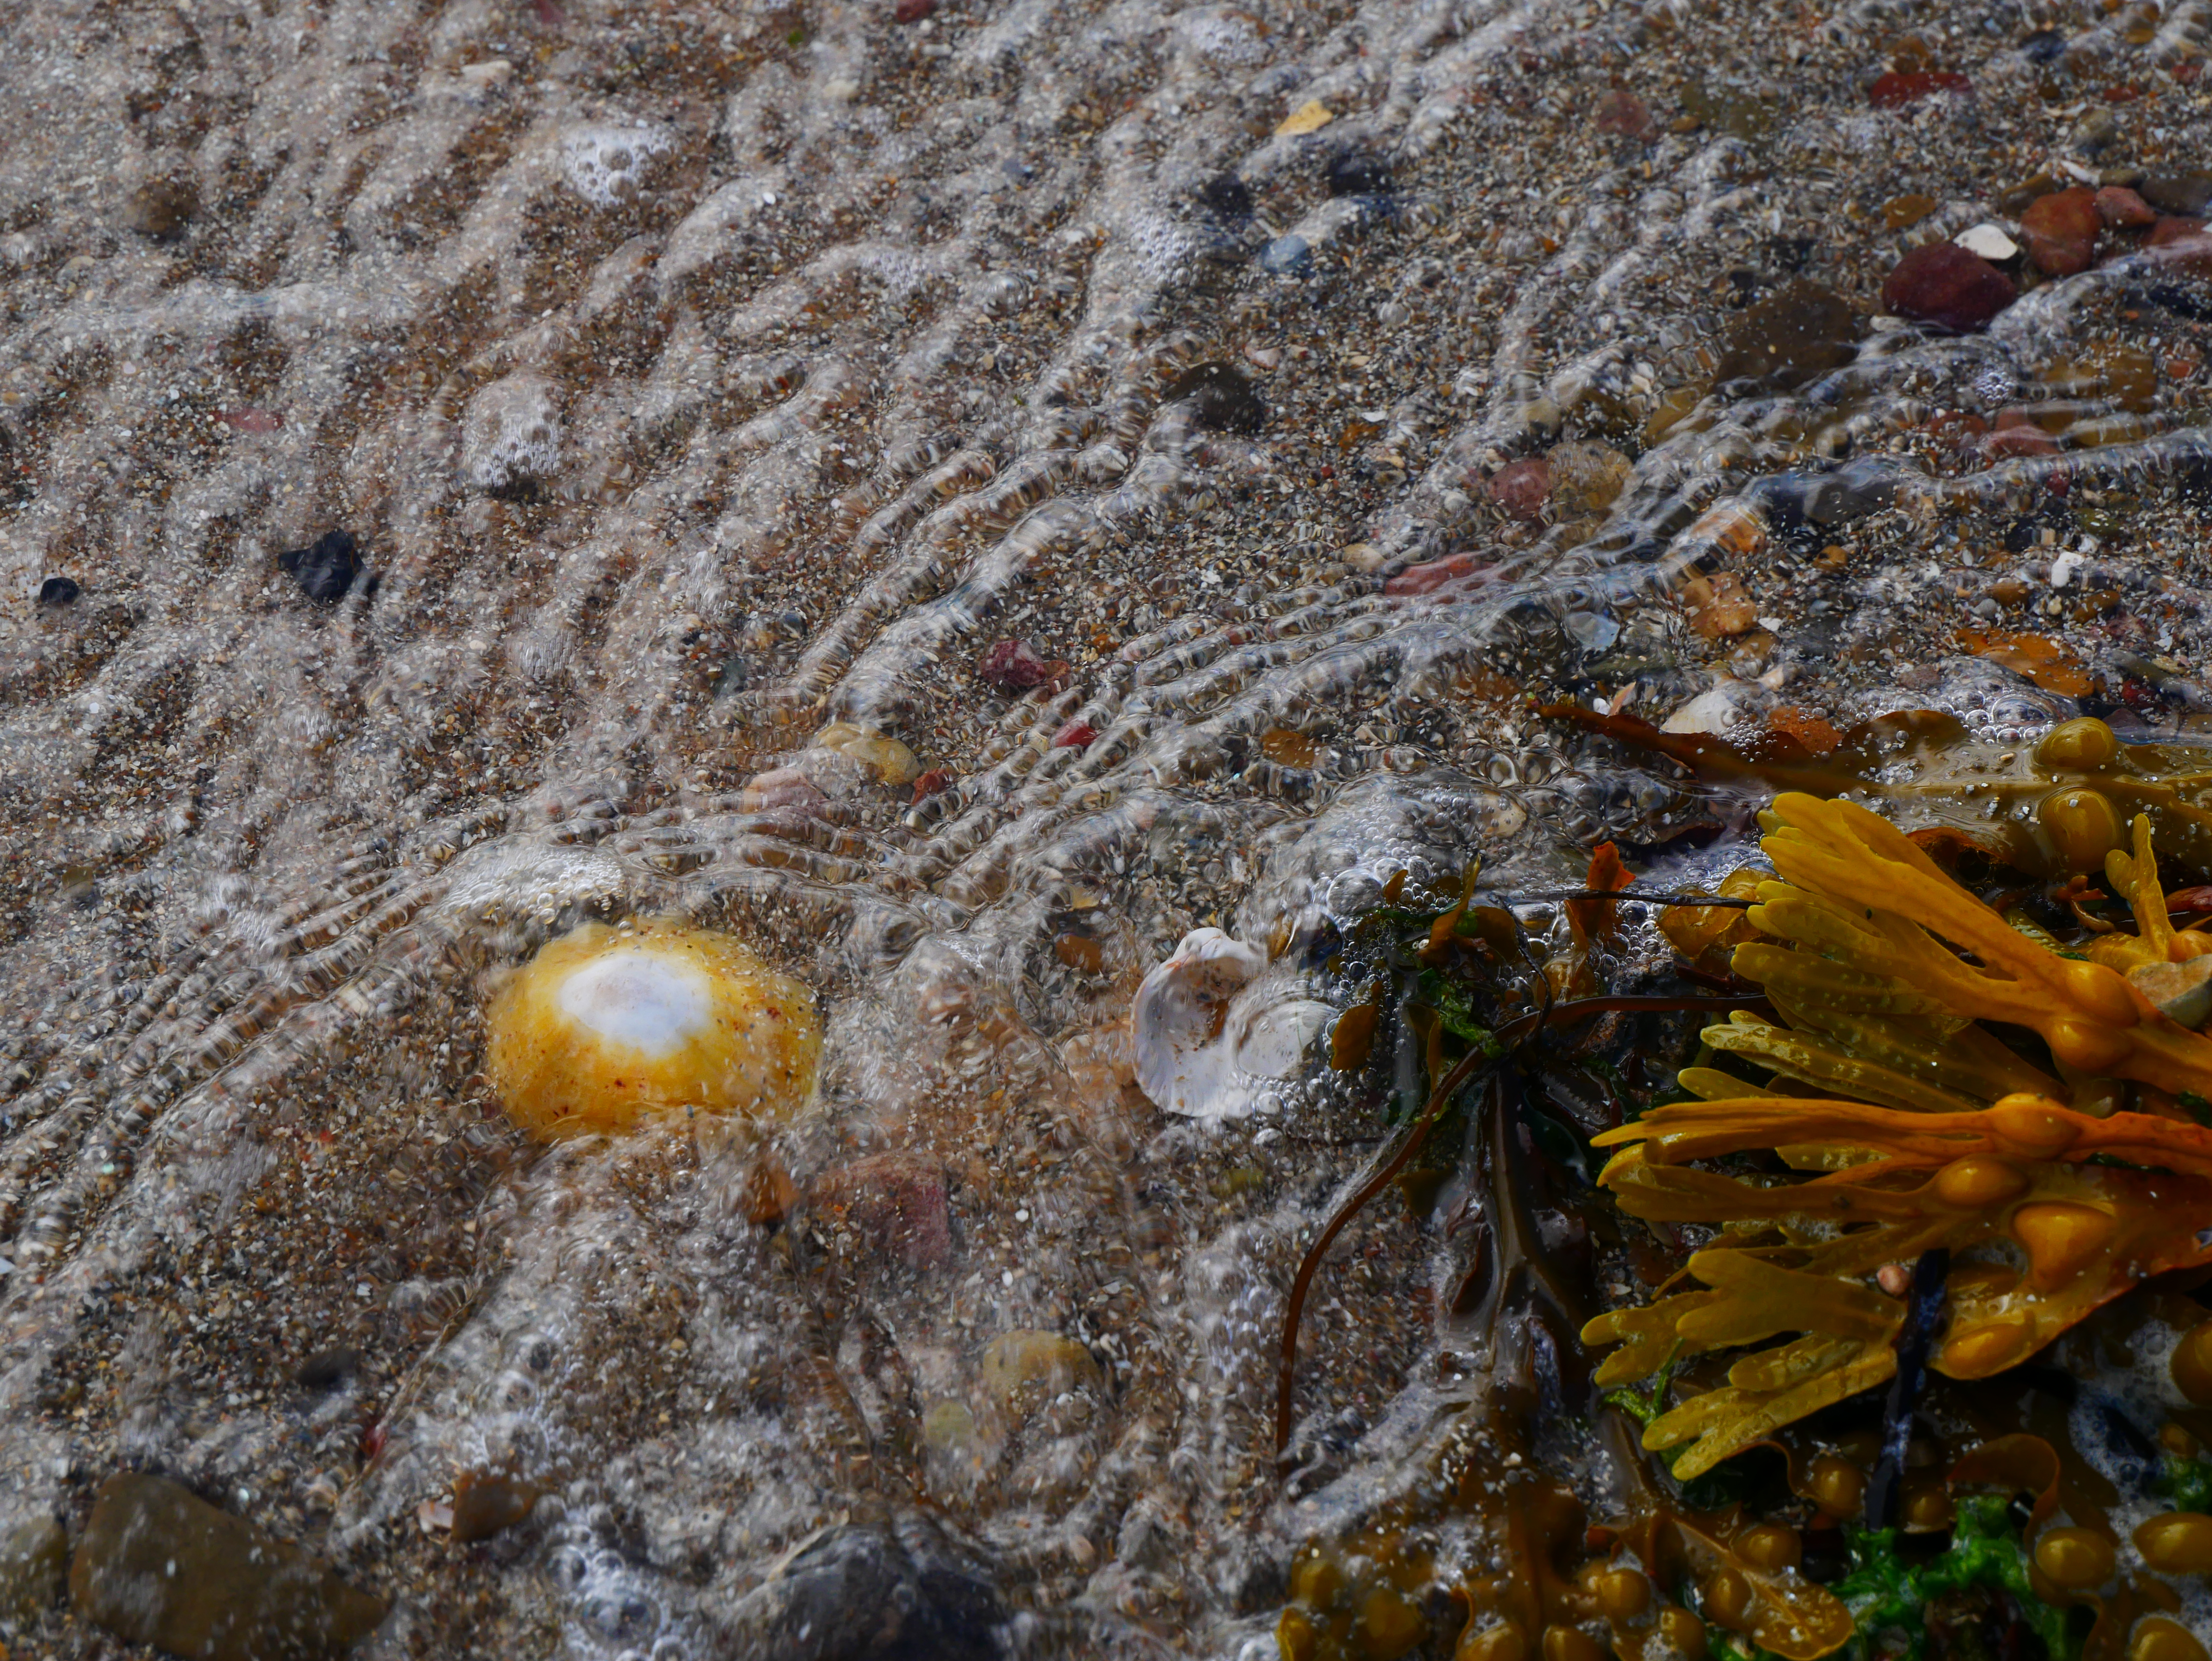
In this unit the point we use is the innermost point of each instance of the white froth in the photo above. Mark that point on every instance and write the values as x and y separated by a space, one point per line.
640 998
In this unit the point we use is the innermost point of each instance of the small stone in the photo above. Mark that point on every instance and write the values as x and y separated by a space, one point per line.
2060 231
1022 1369
2121 208
492 72
1432 575
1728 109
2016 436
2186 195
1310 117
487 1505
2183 242
158 1565
1796 334
1076 735
159 210
1622 112
2044 46
1220 397
1286 256
58 591
932 782
1520 488
1357 173
1228 196
2094 132
1902 212
1901 87
1718 606
780 786
326 570
896 1203
1013 667
1587 476
33 1559
912 11
1987 241
889 760
326 1367
1943 283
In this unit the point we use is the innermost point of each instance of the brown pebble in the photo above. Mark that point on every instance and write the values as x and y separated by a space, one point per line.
485 1505
158 1565
2060 231
1793 335
1622 112
2118 205
160 209
33 1558
2183 242
897 1203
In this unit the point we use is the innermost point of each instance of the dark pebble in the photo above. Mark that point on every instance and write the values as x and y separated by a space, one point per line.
1220 397
159 210
1796 334
1286 256
2060 231
863 1594
1012 666
1227 195
158 1565
2186 195
58 591
912 11
328 568
896 1203
326 1367
2183 243
1901 88
1358 173
485 1505
1947 285
33 1559
2044 46
932 782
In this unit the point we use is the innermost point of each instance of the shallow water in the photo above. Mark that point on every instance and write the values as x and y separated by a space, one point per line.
695 378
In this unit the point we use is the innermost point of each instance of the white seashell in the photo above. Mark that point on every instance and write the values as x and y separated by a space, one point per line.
1987 241
1183 1064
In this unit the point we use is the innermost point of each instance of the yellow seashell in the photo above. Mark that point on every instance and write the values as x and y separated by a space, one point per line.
608 1029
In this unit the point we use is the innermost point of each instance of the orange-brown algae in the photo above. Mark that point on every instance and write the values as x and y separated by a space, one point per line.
608 1029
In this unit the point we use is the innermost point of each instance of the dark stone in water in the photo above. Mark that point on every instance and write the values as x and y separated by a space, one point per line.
326 1367
2044 46
1227 195
33 1557
486 1504
1358 173
328 568
2060 231
158 1565
1220 399
159 210
865 1594
58 591
1949 286
2186 194
1796 334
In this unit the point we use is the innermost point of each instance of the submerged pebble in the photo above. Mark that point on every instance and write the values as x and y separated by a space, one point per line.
326 569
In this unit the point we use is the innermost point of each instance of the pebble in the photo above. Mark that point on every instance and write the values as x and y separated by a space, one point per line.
326 1367
2183 242
58 591
1432 575
1943 283
1357 173
1901 87
1794 335
2122 208
1076 735
889 760
2186 195
1014 666
1024 1368
1220 397
2060 231
1587 476
33 1559
1622 112
896 1203
930 783
851 1593
158 1565
159 210
487 1505
326 570
1520 488
1228 196
1286 256
912 11
780 786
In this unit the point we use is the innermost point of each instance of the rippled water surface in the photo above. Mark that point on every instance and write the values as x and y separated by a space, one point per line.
693 379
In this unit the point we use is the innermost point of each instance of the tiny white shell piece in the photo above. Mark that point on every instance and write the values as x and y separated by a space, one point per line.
1987 241
1177 1020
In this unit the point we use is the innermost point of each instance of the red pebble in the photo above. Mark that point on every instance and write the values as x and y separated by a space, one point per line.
2183 242
1949 286
1076 735
2060 230
1012 666
1623 112
930 783
1521 489
2118 206
1426 578
373 1435
912 11
1902 87
2021 438
896 1203
250 420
